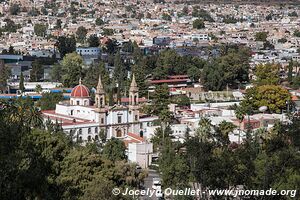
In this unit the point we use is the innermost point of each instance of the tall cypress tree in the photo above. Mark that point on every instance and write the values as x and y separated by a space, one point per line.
21 83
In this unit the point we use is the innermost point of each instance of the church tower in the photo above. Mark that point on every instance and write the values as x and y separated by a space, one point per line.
134 106
100 102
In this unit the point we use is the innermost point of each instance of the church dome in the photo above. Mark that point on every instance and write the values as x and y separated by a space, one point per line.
80 91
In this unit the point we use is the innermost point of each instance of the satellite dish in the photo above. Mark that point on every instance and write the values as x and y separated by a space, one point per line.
263 108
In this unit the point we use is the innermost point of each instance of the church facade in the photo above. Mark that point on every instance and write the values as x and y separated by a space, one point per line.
84 121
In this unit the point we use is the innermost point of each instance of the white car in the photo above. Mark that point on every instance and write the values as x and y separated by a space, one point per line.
156 184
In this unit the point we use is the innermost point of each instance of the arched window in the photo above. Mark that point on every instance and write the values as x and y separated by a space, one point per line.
89 138
134 100
119 133
96 137
101 102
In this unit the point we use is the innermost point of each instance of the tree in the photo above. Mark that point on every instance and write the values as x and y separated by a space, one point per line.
198 24
166 16
58 24
261 36
93 41
71 69
107 32
56 73
21 83
49 100
40 30
38 88
99 21
81 34
120 72
114 150
194 73
173 167
274 97
290 71
66 45
15 9
4 75
296 33
160 102
267 74
92 75
37 71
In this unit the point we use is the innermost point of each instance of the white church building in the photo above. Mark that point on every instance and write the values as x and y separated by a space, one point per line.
84 121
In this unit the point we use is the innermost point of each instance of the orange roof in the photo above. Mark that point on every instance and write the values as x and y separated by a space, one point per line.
295 98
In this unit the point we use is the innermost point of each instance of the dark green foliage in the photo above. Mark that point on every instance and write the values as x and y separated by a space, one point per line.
198 24
93 41
49 100
4 75
66 45
40 29
230 69
261 36
21 83
37 71
114 150
45 164
99 22
15 9
201 13
92 76
81 34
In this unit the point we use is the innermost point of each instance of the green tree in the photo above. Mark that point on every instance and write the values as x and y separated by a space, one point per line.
114 150
40 30
14 9
56 73
4 75
173 167
37 71
92 75
99 21
58 24
267 74
93 41
261 36
81 34
66 45
21 83
166 16
38 88
274 97
71 69
198 24
49 100
120 72
107 31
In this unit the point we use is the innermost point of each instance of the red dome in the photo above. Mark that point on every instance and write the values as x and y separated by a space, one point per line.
80 91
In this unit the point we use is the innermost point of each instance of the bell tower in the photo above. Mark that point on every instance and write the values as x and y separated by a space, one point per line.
100 102
134 106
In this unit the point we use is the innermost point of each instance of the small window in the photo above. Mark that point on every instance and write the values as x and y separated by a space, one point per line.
96 130
136 117
119 119
71 112
80 131
89 138
96 137
77 103
102 120
80 139
89 131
